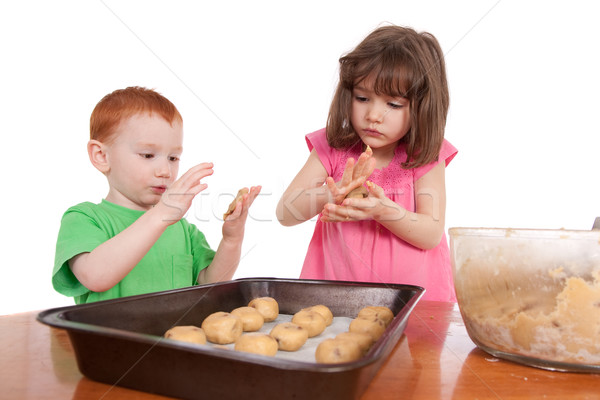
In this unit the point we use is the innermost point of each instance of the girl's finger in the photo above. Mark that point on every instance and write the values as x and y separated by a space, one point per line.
331 185
375 190
348 171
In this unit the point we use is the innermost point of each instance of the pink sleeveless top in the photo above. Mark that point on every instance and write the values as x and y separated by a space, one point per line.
366 251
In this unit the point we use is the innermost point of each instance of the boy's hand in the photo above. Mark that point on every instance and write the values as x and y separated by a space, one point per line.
355 174
177 200
233 225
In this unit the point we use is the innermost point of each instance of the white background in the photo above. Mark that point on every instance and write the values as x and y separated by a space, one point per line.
252 78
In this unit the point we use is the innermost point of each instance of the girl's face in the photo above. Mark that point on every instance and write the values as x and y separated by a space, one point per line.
380 120
143 160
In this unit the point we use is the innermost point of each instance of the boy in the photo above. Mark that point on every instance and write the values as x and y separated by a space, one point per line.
136 240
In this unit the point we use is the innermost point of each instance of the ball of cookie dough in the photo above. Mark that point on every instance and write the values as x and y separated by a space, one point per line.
256 343
381 312
370 325
335 351
188 333
222 327
310 320
358 193
289 336
267 306
252 320
364 340
324 311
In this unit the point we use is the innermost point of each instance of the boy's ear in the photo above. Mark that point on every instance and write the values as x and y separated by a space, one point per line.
98 156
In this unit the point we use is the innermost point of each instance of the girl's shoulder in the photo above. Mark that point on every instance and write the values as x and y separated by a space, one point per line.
317 140
330 157
447 154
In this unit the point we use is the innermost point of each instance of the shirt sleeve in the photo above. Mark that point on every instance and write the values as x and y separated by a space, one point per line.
447 153
201 251
318 140
78 233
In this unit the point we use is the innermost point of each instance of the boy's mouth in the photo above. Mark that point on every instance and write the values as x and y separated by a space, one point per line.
159 189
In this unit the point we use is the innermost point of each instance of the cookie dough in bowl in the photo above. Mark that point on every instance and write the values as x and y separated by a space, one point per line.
531 296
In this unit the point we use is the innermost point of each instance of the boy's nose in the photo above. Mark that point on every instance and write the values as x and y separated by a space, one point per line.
163 169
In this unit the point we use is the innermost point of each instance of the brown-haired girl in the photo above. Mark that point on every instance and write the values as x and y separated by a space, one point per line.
385 131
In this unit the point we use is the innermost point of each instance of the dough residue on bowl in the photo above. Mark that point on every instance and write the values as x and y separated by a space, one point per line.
563 327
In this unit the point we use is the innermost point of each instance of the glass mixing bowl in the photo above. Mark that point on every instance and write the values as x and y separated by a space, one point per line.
530 296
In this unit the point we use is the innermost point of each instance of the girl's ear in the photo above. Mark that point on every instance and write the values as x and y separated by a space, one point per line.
98 156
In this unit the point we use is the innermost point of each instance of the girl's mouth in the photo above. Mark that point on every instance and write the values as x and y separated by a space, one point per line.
372 132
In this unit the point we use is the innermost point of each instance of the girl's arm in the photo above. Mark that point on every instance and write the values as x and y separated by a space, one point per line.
306 195
227 257
423 228
110 262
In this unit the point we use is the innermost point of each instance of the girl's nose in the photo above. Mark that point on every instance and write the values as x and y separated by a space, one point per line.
376 114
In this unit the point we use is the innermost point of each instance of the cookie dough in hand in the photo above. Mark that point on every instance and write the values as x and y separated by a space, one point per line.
238 198
359 193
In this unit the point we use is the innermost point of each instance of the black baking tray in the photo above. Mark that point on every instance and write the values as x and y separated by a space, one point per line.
119 342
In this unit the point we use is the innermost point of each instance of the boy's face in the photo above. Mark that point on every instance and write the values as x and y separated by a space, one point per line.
143 160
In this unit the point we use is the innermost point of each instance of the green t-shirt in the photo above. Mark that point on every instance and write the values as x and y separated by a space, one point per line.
173 262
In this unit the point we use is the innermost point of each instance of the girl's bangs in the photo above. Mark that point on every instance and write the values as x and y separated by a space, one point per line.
393 79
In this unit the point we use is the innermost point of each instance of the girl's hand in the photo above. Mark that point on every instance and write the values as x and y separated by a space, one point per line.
233 226
376 206
354 176
177 200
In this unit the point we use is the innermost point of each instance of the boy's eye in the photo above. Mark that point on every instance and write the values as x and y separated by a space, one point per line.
146 155
174 158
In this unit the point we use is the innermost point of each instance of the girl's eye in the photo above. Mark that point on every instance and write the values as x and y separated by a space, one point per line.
361 99
395 105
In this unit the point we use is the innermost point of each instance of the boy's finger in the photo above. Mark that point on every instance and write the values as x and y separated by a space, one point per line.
191 179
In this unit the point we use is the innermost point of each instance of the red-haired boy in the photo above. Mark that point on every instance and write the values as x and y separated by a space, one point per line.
136 239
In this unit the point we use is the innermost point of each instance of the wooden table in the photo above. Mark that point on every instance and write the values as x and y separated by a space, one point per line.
435 359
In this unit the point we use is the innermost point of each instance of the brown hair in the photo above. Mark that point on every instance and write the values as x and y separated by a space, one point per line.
402 63
124 103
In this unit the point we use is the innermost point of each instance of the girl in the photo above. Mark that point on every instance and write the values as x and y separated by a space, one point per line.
385 131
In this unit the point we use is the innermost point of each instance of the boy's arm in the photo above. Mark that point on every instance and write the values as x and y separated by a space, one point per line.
110 262
228 254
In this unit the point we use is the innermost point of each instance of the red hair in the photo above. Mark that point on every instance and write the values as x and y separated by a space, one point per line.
125 103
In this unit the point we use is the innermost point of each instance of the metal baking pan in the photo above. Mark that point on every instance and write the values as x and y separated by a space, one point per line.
119 342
